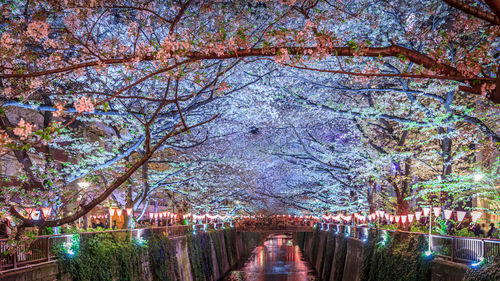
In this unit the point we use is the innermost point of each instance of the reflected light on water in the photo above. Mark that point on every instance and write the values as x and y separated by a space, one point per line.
277 259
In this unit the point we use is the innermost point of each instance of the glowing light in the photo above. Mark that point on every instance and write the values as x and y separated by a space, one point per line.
119 212
410 217
111 212
386 217
478 177
428 253
84 184
129 211
140 241
478 263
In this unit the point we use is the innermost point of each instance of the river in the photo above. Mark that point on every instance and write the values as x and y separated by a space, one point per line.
277 259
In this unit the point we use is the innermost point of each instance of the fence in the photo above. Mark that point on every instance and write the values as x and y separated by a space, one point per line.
42 249
453 248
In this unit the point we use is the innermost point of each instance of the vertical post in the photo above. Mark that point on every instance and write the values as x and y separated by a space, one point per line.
430 229
453 245
48 248
14 259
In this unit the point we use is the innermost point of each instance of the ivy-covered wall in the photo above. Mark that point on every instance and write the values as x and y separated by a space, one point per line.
397 257
105 257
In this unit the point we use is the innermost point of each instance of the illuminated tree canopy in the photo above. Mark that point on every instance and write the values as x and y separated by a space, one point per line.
244 107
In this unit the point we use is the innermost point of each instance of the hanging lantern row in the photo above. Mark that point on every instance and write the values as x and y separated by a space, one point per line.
208 216
160 215
436 211
426 211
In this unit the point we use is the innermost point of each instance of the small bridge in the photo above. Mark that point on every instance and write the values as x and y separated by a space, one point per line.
274 229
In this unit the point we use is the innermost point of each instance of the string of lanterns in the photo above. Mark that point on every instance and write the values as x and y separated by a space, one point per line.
381 215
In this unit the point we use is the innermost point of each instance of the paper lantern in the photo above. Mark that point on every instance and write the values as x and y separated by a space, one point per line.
403 219
46 211
391 218
155 215
381 214
111 212
410 217
129 211
165 214
35 215
151 215
437 211
418 215
460 215
397 219
476 215
386 217
427 211
447 214
119 212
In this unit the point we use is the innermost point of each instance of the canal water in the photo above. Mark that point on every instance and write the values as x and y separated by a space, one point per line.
278 259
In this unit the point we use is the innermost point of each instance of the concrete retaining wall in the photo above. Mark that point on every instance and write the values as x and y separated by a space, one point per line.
245 243
350 269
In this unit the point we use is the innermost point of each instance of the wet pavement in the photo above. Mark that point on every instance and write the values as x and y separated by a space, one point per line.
278 259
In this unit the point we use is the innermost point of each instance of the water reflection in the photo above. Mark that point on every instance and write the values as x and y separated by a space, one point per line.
277 259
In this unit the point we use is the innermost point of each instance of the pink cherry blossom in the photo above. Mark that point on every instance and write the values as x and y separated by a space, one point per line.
38 30
84 104
23 129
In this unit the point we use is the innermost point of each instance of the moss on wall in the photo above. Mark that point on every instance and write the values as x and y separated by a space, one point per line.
218 250
103 257
230 240
489 272
200 256
399 259
163 259
328 256
340 256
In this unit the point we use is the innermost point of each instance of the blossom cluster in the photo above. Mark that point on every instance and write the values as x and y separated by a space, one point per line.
23 129
84 104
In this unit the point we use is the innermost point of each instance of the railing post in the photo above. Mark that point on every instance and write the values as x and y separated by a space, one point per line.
484 249
14 259
453 245
48 248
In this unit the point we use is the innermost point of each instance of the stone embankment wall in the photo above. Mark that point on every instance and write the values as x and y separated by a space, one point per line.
199 257
400 257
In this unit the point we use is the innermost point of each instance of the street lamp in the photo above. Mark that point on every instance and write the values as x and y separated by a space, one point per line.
478 177
83 184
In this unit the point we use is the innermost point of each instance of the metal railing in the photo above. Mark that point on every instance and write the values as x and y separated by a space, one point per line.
277 228
453 248
42 249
